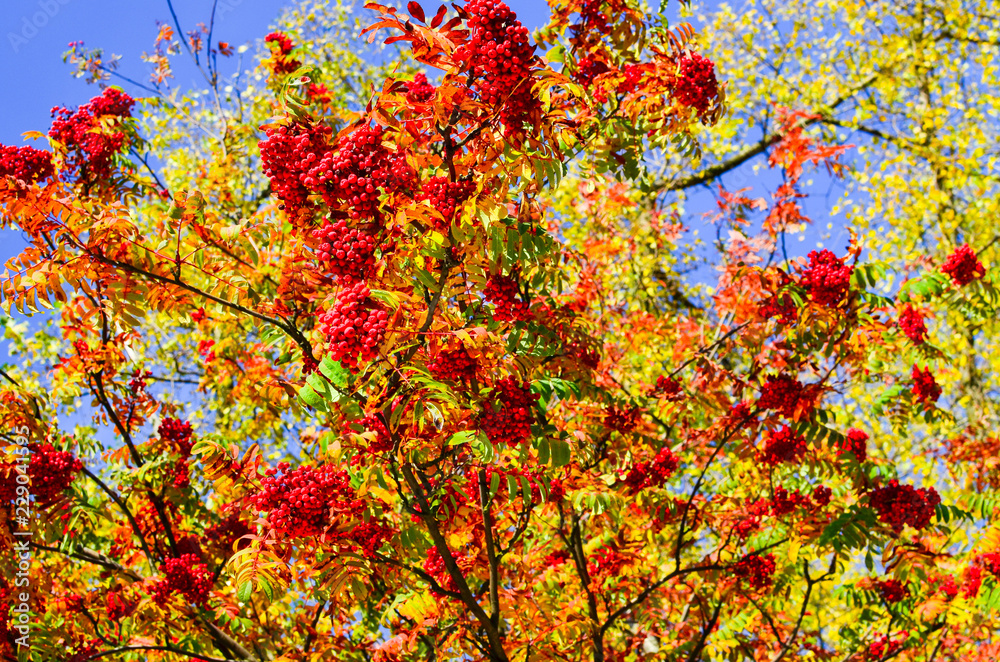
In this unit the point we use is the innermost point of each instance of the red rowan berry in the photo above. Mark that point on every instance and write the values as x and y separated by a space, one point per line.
963 266
51 472
419 91
668 387
119 605
454 365
348 253
383 440
178 433
855 442
288 155
503 292
281 47
756 570
622 418
785 394
301 502
355 327
694 85
184 575
783 445
605 562
925 389
827 279
900 505
27 164
911 323
510 422
370 536
886 647
891 590
91 148
446 196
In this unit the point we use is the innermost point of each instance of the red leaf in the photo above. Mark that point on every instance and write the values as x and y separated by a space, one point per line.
416 11
439 16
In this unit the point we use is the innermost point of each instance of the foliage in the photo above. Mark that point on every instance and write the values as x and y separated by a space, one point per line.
394 356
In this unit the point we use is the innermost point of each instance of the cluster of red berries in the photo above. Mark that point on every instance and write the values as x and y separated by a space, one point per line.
606 561
899 505
668 387
288 154
318 93
508 420
435 567
593 18
911 323
589 68
453 365
827 278
753 512
178 433
756 570
205 350
886 647
785 394
633 76
420 90
652 474
991 561
925 388
556 558
91 147
446 196
783 445
622 418
300 502
180 475
785 502
119 605
855 442
281 47
370 536
780 305
185 575
891 590
355 173
503 292
25 163
383 440
694 85
963 266
355 326
499 57
349 253
51 472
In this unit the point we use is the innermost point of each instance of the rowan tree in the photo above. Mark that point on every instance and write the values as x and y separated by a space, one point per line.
397 353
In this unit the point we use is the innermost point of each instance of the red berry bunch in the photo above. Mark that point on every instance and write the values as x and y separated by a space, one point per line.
198 316
383 440
753 512
606 561
593 18
783 445
508 420
503 292
886 647
119 605
785 394
755 570
899 505
349 253
668 387
281 47
370 536
499 57
589 68
205 350
694 85
178 433
25 163
185 575
355 173
51 472
318 93
621 418
911 323
652 474
827 279
633 76
780 305
446 196
434 566
288 155
454 365
991 562
420 90
355 326
891 590
91 148
300 502
180 476
556 558
785 502
925 388
963 266
855 442
821 495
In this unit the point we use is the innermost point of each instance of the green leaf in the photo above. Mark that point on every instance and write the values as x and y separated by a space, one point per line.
335 372
245 592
